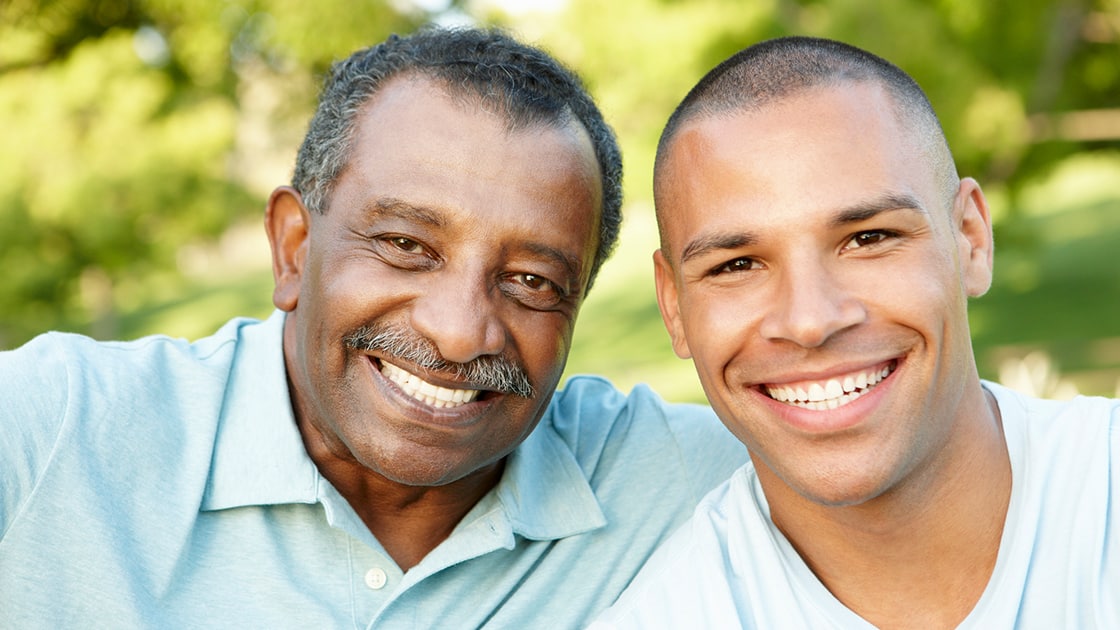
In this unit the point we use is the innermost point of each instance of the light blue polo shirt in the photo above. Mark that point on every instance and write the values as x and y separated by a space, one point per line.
161 483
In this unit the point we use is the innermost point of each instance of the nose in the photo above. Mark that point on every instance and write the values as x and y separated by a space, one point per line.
810 304
459 315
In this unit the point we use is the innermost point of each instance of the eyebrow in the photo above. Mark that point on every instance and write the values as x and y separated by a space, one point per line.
707 243
399 208
571 264
866 210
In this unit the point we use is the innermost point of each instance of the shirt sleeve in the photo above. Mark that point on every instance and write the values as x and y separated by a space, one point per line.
33 400
603 425
709 452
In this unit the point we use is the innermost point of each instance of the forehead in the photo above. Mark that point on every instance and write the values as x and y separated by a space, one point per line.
416 114
795 159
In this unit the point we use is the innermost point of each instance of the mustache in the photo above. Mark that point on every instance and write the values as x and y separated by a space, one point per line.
492 372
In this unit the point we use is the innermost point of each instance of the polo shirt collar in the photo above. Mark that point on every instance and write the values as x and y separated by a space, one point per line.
259 456
544 491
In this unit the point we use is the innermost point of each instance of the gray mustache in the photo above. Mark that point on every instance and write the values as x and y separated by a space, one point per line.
493 372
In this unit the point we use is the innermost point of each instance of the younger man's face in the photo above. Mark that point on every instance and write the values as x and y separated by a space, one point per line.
816 274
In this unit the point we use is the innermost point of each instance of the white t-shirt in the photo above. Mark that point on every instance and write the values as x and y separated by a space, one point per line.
1058 564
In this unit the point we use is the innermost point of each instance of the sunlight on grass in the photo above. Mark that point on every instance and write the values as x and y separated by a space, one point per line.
1081 180
1057 283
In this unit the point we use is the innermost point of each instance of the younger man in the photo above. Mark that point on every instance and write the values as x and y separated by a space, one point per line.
817 253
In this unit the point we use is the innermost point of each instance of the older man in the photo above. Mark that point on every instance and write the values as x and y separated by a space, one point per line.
386 449
817 254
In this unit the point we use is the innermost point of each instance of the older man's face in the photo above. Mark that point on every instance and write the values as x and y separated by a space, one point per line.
432 304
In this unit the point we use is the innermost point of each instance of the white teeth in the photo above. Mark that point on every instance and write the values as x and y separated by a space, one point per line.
833 389
425 392
832 393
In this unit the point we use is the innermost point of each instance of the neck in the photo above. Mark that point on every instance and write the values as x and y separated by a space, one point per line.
920 554
409 521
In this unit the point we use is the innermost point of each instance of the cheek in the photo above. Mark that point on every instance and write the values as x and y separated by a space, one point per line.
719 328
542 341
719 318
347 279
926 292
355 290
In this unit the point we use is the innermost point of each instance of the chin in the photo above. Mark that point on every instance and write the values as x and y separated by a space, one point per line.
442 471
422 478
838 489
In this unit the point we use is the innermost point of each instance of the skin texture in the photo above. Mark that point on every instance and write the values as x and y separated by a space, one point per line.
457 231
808 241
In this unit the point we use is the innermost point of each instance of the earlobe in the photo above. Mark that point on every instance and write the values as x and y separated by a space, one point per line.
287 222
665 280
973 221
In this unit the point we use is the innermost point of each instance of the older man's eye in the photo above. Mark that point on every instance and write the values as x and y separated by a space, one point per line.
534 291
535 282
403 252
406 244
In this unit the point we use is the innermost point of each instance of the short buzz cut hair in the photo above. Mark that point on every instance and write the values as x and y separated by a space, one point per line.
780 68
521 83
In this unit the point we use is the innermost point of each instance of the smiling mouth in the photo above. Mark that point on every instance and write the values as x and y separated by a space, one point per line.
425 392
830 393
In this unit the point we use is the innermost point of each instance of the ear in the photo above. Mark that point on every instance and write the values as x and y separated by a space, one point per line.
973 223
665 279
287 222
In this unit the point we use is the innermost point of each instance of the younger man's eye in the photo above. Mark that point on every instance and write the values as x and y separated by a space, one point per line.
732 266
870 237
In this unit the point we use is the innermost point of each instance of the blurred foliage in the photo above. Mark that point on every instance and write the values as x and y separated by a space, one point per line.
129 134
139 132
996 71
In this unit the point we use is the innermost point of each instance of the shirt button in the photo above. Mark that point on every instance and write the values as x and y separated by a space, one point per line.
376 578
